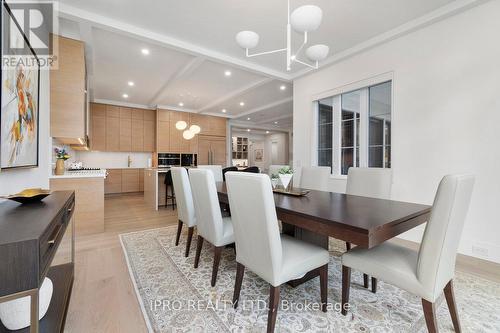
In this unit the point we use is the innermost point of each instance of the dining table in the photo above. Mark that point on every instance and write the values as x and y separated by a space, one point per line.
363 221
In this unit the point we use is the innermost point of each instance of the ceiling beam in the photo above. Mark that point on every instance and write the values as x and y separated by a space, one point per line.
245 125
270 120
190 67
235 93
265 107
109 24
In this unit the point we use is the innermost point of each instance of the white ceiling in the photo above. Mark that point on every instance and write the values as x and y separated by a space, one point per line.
192 44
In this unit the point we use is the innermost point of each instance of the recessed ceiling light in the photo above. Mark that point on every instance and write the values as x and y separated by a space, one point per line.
242 103
249 118
267 132
227 73
224 110
275 122
282 87
125 96
248 129
145 51
181 104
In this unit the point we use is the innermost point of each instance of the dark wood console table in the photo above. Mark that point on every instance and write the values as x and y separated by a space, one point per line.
37 241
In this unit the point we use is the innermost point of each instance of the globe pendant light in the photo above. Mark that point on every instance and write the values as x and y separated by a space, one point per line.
188 135
180 125
195 129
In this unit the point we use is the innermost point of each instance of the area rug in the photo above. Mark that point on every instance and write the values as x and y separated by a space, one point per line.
175 297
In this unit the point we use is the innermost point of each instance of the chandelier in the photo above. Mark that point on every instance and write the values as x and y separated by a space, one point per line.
303 19
188 134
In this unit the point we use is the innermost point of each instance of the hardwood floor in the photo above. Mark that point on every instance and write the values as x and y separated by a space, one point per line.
103 298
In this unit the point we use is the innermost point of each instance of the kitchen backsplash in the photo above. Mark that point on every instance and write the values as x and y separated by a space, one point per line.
110 160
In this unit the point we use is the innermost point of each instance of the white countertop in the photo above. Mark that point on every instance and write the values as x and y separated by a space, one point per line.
81 174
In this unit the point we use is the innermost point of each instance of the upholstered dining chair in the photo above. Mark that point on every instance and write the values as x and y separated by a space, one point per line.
216 170
185 207
260 247
369 182
231 168
211 227
315 178
430 270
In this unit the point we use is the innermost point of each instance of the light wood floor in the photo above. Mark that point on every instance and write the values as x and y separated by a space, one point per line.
104 299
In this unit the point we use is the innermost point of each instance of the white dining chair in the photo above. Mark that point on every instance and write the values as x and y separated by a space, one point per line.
211 226
273 169
369 182
216 170
315 178
185 206
430 270
259 246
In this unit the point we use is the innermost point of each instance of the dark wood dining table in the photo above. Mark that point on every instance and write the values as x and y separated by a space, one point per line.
363 221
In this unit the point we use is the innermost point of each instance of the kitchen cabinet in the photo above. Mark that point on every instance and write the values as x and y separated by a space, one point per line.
68 112
98 127
163 133
211 150
125 134
149 135
210 125
113 181
130 180
112 132
124 181
137 135
177 142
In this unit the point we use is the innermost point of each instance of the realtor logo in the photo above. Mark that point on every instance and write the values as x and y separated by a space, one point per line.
26 31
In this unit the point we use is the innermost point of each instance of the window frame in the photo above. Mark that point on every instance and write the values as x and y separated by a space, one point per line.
336 95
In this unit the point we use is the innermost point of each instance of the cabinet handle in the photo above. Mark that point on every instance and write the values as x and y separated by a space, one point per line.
54 239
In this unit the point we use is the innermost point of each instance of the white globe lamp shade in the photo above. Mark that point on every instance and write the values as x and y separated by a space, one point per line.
195 129
306 18
180 125
188 135
317 52
247 39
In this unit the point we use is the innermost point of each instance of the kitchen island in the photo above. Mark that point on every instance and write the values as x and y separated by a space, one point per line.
154 186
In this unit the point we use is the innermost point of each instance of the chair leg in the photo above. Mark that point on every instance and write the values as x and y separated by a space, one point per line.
240 270
215 268
374 285
449 293
199 245
323 284
188 243
274 299
365 280
430 316
348 246
179 229
346 285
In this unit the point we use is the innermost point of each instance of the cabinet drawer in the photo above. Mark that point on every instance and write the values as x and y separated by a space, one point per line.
50 239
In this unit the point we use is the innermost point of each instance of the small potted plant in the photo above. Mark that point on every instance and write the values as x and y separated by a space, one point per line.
275 180
61 156
285 174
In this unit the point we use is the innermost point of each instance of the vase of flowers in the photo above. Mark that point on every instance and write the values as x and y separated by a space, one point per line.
275 180
285 174
61 156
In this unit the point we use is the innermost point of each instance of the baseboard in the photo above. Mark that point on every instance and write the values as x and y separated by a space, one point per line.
488 269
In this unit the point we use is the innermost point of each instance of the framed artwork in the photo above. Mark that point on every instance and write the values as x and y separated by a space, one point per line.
19 117
259 155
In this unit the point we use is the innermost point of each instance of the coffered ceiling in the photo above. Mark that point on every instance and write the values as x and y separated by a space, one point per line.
192 49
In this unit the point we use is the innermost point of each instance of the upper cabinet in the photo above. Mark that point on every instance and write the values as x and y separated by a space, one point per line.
115 128
68 114
210 125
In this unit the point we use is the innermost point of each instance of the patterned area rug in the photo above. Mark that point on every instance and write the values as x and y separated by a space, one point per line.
175 297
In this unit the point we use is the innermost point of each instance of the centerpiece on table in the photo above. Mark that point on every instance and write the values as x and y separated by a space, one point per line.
285 174
275 180
61 156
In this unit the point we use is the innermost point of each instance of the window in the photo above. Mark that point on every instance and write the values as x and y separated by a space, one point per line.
354 129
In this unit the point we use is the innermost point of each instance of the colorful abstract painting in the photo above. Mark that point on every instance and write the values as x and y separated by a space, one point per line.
19 115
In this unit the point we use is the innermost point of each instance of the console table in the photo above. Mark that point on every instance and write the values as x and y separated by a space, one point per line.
37 241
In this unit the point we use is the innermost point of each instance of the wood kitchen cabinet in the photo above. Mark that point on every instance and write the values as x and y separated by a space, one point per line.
68 113
163 131
124 181
137 135
177 142
211 150
130 180
98 127
125 135
113 181
210 125
112 128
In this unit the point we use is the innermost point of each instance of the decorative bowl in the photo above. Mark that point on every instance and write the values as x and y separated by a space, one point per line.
29 195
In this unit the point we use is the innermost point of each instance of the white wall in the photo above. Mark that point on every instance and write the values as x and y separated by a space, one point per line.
110 160
446 114
13 181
